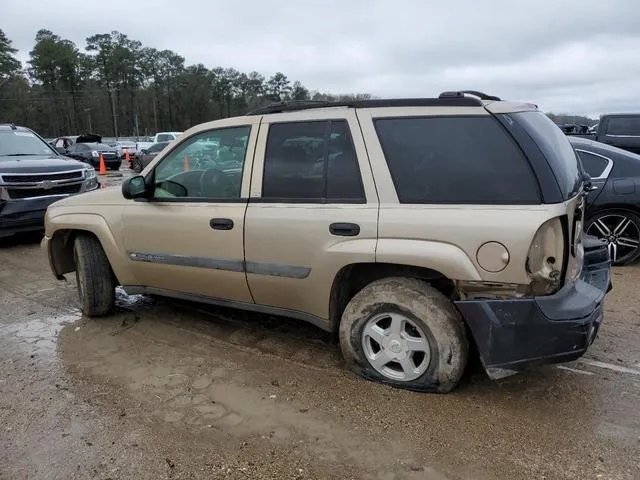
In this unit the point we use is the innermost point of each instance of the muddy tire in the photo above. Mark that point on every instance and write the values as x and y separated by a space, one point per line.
94 277
421 339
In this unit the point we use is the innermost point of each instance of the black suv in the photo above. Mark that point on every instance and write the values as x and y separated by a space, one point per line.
32 176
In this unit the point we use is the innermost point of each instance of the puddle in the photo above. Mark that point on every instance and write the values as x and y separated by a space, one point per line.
39 336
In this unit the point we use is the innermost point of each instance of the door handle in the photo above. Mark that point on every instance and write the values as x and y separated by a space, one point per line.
221 223
344 229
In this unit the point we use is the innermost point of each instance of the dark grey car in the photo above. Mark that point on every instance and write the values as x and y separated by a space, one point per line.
146 155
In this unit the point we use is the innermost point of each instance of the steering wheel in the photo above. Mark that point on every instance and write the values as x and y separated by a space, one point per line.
218 179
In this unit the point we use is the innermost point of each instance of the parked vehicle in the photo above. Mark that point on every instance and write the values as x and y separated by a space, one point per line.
32 176
575 129
90 152
365 218
63 143
123 146
613 202
143 159
158 137
620 130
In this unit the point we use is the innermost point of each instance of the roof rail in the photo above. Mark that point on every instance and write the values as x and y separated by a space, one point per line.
469 93
293 106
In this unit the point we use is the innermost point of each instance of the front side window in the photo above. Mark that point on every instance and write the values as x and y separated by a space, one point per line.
155 148
312 161
207 166
455 160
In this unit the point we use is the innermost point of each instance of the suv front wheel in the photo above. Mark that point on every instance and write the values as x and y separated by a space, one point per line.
403 332
96 286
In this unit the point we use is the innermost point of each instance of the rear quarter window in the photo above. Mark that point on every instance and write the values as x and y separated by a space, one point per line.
455 160
555 147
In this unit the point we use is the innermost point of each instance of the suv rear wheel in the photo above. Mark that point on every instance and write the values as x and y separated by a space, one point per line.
96 286
403 332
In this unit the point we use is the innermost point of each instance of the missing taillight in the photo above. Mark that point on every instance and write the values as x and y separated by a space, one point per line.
542 267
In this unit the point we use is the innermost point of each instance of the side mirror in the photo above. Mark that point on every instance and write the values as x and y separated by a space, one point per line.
61 150
134 187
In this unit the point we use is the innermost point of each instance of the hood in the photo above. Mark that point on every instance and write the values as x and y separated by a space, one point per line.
89 138
38 164
110 196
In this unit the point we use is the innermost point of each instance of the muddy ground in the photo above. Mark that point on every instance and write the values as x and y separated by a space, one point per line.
164 390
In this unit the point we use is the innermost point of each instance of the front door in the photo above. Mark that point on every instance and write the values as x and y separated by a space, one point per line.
189 237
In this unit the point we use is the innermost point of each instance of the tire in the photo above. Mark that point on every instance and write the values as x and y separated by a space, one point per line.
418 305
94 277
624 244
136 165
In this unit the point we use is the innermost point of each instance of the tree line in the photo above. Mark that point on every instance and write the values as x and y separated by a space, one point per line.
116 86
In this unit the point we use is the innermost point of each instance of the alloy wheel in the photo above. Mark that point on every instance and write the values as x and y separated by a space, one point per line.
395 346
621 234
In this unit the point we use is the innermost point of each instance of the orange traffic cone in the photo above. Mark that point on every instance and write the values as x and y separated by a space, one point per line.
186 163
127 159
103 167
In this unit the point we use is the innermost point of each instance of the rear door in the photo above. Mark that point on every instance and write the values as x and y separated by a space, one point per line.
313 209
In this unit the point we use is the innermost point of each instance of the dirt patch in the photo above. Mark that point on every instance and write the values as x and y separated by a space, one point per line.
163 390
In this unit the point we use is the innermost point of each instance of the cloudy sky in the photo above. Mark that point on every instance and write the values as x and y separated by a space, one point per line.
578 56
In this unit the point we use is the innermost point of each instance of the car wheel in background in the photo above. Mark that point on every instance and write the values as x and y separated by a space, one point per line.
137 165
620 229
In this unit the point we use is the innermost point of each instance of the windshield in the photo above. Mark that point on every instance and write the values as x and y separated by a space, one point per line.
556 148
22 143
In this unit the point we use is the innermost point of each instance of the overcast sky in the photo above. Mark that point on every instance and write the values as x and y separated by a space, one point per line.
579 56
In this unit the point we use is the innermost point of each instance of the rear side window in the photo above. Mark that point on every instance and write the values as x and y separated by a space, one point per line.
311 161
623 126
555 147
455 160
594 165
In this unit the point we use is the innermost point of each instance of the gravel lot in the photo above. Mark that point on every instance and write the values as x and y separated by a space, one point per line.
175 390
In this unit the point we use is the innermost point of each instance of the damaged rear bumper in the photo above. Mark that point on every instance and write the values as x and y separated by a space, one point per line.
516 334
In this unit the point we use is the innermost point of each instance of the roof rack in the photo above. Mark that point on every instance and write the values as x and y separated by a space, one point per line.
469 93
446 101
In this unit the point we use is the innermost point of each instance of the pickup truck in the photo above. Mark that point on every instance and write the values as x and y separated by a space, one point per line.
620 130
158 137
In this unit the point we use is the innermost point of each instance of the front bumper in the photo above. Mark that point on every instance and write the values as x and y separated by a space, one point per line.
516 334
24 215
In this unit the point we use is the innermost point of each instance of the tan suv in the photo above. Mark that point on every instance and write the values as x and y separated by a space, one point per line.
413 227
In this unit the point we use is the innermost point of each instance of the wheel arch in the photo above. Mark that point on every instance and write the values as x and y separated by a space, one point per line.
352 278
67 227
597 209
